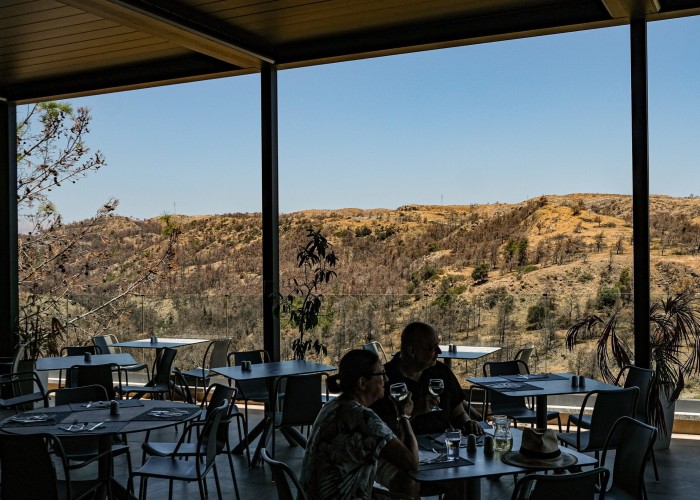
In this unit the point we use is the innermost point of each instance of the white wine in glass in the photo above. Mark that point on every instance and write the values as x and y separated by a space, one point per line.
435 386
399 391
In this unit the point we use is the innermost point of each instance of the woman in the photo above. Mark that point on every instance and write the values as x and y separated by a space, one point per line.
348 438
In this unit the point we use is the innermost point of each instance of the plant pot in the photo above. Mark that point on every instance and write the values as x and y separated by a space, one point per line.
663 439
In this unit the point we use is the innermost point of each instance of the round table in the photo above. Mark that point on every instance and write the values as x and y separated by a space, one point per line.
133 417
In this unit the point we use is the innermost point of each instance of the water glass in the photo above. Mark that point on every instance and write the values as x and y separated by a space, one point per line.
453 437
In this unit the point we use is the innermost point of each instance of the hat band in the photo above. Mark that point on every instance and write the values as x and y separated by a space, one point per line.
540 455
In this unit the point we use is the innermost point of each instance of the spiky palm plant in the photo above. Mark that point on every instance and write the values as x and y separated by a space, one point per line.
674 345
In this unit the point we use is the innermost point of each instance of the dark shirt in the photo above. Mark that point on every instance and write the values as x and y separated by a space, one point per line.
427 423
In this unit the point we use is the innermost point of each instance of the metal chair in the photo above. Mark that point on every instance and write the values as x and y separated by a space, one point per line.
577 486
75 350
608 408
13 393
176 469
106 345
84 448
96 375
215 396
160 384
214 356
29 471
524 356
376 348
634 441
302 404
633 376
282 476
512 406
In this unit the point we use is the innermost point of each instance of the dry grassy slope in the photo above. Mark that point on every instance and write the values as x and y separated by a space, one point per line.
233 240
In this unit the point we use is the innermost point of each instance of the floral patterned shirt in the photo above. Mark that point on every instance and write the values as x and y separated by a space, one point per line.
341 456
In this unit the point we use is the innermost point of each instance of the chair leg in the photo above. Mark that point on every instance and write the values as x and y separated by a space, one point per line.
233 471
216 482
653 463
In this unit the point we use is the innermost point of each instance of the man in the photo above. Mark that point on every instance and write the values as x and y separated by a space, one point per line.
415 365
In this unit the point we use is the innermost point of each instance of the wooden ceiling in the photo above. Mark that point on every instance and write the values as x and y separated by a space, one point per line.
53 49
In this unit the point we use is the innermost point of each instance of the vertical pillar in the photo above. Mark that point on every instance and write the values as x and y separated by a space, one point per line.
270 210
9 310
640 190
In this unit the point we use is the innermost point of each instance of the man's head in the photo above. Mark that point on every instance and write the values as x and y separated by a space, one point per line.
419 344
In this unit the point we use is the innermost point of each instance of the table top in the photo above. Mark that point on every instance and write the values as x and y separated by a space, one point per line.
484 465
132 418
161 343
540 386
466 352
271 370
66 362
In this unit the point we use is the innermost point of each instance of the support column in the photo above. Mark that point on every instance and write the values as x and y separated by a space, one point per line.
9 310
640 190
270 211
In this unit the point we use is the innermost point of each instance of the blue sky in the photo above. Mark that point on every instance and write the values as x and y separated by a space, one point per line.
499 122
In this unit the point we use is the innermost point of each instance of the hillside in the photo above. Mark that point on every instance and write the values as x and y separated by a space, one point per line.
415 262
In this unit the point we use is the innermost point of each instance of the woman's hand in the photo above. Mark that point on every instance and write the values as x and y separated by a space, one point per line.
405 407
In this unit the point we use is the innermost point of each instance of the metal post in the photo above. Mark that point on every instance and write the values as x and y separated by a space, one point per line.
270 210
640 190
9 312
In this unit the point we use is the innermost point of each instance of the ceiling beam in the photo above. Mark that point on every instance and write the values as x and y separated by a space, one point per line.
179 29
631 8
193 67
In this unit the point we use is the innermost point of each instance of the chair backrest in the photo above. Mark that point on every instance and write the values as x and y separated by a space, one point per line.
181 382
634 441
105 343
642 378
207 443
498 402
376 348
302 399
577 486
249 387
524 356
79 350
216 353
84 394
282 476
164 366
76 350
21 353
95 375
216 394
608 408
28 471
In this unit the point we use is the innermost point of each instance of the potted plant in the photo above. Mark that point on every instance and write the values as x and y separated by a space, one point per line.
674 345
303 304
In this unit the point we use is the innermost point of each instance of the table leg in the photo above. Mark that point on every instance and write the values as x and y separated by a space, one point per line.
250 437
541 411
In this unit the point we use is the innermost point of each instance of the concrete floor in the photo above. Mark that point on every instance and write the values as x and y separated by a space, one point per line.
677 467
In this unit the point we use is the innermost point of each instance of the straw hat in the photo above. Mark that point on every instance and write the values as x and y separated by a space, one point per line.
539 449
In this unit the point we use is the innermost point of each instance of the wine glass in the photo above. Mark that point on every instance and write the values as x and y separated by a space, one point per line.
435 386
399 391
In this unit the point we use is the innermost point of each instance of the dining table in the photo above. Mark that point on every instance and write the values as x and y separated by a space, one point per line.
465 352
95 419
472 466
68 362
270 372
540 386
